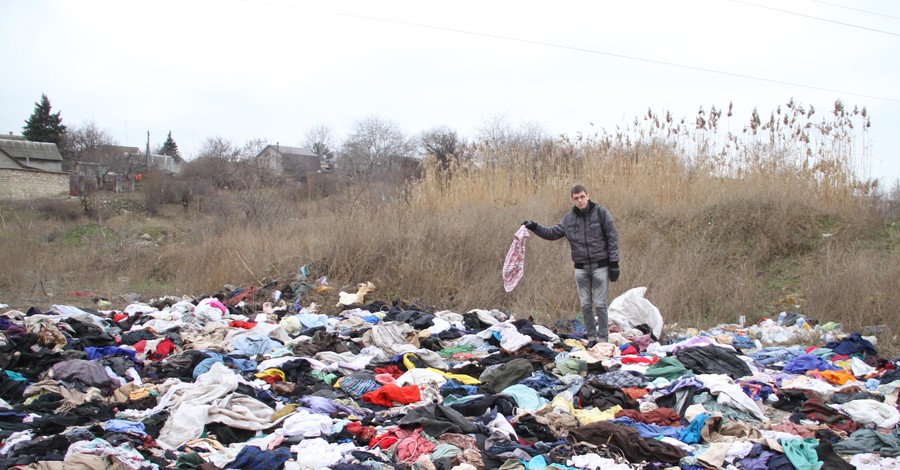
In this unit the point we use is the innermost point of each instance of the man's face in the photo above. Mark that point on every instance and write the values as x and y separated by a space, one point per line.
581 200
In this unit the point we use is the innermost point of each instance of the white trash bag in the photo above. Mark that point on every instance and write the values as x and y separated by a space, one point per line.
631 309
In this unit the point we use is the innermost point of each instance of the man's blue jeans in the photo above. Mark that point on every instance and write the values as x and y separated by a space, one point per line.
593 292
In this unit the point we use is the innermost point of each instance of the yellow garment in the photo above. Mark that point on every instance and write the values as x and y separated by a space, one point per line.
284 411
140 393
595 414
563 405
461 378
271 373
573 343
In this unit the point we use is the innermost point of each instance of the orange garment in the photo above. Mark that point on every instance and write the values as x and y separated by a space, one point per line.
839 377
635 392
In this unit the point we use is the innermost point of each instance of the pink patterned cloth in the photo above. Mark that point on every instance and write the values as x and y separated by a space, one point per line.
514 265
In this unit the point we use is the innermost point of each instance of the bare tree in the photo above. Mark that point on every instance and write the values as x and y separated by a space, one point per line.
444 145
373 148
219 148
320 139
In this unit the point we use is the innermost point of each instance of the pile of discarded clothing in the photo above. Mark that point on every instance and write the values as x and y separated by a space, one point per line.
229 383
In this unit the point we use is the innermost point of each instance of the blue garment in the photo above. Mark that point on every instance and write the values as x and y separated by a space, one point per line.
321 405
254 458
15 376
807 362
853 344
121 425
97 353
649 430
545 385
205 365
253 345
454 387
771 355
691 434
245 365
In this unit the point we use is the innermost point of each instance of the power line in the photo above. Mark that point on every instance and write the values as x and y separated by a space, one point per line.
577 49
816 18
857 9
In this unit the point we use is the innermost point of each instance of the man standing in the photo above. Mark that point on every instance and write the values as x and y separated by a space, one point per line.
594 241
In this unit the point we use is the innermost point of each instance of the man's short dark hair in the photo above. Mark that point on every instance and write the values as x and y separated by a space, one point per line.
578 188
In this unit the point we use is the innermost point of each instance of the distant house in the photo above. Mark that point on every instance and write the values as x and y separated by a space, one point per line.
117 168
30 169
293 162
33 155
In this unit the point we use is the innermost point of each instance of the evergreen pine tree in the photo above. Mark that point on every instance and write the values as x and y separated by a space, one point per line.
43 126
170 148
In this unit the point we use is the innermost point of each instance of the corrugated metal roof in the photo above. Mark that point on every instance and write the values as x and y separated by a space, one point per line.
24 150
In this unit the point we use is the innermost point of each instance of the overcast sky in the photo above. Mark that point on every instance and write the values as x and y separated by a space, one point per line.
272 69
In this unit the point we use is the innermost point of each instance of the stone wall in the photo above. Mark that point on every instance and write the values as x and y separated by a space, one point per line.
28 184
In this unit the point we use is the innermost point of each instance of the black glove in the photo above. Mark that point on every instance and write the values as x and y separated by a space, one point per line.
530 225
613 271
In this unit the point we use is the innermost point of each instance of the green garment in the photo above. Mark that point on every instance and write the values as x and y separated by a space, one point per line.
571 366
325 377
802 453
668 368
447 352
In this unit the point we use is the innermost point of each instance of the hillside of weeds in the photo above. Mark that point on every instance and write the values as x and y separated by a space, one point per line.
716 223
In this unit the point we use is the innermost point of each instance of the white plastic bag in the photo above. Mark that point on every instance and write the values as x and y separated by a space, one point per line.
631 309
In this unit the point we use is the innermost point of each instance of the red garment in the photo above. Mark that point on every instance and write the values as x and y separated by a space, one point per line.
514 265
140 345
245 293
629 351
393 371
247 325
640 360
390 393
164 348
389 438
119 317
365 433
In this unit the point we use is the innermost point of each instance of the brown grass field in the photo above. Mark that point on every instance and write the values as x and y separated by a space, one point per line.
715 228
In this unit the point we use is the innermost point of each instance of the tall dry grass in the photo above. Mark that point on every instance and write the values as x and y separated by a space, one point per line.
715 225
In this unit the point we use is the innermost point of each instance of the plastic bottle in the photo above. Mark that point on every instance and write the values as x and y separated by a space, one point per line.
781 318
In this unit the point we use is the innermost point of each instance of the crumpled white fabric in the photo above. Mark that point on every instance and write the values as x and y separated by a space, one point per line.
306 424
346 362
631 309
594 461
206 312
190 409
738 450
242 412
489 317
869 461
159 325
438 326
127 455
510 338
871 411
420 376
732 395
185 422
860 368
315 454
390 336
